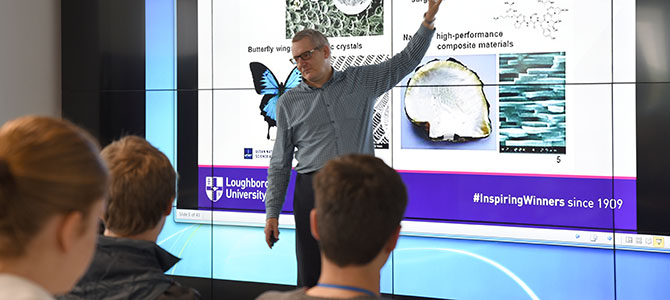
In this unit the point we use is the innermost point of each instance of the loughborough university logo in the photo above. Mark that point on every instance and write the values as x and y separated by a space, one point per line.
214 188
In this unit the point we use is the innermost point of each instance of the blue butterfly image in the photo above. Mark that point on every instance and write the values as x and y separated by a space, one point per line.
266 84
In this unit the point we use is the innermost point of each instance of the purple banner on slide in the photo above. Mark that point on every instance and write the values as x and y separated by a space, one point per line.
237 189
553 201
596 202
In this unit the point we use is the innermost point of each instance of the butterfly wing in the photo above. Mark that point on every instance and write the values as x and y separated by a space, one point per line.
265 81
266 84
294 78
270 108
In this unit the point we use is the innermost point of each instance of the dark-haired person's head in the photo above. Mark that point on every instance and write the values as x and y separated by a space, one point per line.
141 190
359 203
52 187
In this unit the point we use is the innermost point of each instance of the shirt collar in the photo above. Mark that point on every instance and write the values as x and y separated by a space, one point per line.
165 259
337 76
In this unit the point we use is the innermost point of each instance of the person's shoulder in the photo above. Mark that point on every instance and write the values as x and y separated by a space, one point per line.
296 91
290 97
300 294
292 93
348 71
178 292
353 73
288 295
17 288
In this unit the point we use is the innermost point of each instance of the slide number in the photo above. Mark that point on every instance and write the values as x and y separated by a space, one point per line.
558 159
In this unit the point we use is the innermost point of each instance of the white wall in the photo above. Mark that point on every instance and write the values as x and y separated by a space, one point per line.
30 58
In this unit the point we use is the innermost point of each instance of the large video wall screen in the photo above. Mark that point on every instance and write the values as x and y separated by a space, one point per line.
508 118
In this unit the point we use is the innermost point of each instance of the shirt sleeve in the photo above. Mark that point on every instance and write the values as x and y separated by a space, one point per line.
279 171
381 77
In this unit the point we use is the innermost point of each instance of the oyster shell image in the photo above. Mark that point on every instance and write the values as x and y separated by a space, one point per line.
352 7
446 99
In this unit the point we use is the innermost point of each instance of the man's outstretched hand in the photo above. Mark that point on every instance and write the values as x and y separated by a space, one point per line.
433 7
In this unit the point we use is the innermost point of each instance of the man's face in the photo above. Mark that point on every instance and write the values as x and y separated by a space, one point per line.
316 68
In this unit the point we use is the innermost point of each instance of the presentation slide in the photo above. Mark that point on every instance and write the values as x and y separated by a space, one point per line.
506 120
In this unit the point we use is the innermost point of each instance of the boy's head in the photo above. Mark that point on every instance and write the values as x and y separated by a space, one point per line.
359 203
142 186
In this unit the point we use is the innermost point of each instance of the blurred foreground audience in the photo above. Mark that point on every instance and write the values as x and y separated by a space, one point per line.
52 186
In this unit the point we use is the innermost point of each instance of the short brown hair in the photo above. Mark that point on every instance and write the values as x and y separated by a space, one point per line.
359 203
142 185
47 167
318 39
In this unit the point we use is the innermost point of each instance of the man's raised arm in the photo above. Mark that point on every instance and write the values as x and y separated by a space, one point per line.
382 77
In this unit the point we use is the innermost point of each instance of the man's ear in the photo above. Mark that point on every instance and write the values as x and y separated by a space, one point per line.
69 229
312 224
393 240
168 210
326 51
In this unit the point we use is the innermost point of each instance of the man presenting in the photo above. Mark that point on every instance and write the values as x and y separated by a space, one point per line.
327 115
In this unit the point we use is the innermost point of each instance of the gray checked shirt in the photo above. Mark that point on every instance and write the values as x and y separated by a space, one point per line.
333 120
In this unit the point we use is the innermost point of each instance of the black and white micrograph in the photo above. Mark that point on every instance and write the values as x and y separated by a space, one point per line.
335 18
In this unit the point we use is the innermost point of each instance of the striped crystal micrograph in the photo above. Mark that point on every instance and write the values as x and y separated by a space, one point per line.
532 102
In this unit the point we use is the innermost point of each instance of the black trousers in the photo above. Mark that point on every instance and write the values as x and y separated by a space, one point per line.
306 248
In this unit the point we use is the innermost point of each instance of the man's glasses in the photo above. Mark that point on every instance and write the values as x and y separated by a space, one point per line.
304 56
